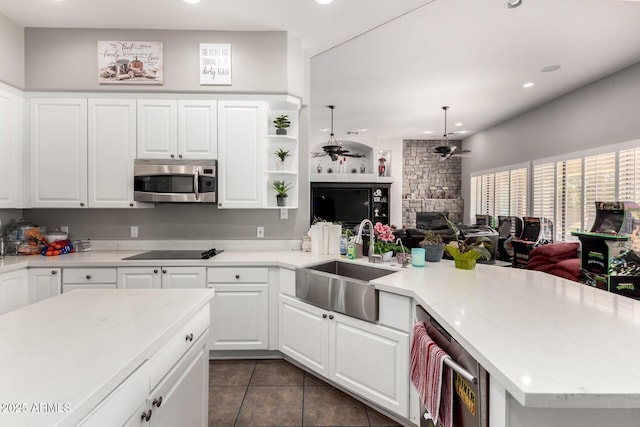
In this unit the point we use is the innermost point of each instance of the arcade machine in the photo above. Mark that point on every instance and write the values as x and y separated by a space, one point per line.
536 231
607 262
509 228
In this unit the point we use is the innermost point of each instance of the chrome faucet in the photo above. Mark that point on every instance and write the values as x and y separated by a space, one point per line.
358 240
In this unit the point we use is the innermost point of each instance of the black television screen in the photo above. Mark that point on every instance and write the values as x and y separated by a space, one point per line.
348 205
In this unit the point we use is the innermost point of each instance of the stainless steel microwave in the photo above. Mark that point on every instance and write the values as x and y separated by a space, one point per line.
175 181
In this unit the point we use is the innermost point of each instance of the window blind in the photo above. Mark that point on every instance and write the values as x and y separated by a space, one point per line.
599 183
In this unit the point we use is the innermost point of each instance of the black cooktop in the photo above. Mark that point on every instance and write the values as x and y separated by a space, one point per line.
178 254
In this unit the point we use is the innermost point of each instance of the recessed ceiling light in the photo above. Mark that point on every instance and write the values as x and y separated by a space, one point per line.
463 132
512 4
363 129
191 1
324 1
458 124
550 68
528 84
324 130
427 131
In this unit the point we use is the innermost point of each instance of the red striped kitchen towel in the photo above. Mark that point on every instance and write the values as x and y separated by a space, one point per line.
427 367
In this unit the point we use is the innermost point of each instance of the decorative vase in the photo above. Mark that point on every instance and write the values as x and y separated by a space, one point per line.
281 131
281 200
433 253
386 257
402 258
280 165
465 264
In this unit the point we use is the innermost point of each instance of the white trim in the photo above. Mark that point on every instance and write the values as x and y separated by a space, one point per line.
522 165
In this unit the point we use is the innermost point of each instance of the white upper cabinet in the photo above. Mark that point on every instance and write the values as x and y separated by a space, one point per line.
241 135
157 129
197 129
11 149
112 150
170 129
58 142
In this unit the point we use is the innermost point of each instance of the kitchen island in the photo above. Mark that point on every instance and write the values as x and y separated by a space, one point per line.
558 353
96 356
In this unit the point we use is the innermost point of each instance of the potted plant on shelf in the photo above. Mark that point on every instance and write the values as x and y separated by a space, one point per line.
282 188
282 155
433 247
281 123
465 253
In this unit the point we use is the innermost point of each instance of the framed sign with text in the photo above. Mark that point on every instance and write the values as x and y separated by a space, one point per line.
126 62
215 64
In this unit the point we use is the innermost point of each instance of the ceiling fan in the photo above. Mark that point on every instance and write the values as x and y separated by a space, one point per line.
445 151
333 148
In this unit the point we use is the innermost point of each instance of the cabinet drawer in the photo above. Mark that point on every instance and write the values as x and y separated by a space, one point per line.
237 275
118 406
89 275
178 345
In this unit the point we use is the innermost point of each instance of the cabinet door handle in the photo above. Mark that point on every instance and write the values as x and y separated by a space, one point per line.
131 204
173 156
220 204
155 271
237 276
189 337
81 204
88 277
53 272
324 315
157 402
331 316
164 271
180 156
146 416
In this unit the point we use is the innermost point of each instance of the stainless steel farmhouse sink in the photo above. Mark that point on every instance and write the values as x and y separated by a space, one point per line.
342 287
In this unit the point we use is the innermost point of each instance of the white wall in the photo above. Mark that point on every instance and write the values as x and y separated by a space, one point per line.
602 113
11 53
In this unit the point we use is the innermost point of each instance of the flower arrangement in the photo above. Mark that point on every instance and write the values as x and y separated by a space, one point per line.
384 238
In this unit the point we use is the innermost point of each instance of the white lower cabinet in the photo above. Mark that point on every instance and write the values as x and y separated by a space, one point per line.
14 291
181 399
366 358
44 283
161 277
240 309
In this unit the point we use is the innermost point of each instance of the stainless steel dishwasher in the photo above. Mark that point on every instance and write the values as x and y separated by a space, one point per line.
470 380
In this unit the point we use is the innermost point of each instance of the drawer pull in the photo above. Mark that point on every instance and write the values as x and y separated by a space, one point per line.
324 315
88 277
189 337
131 204
155 271
164 271
331 316
146 416
157 402
81 204
237 276
53 272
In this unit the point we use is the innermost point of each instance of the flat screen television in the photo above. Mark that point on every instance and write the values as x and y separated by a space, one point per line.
349 205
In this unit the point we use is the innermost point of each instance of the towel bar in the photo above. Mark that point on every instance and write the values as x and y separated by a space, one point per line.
460 370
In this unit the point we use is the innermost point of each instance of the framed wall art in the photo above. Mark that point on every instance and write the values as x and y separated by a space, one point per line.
215 64
127 62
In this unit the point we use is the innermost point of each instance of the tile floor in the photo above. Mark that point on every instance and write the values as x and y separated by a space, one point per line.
275 393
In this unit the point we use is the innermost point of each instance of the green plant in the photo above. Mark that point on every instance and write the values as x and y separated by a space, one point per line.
464 249
282 154
430 238
281 187
282 122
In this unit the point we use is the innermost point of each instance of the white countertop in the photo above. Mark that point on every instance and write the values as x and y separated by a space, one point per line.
75 348
549 341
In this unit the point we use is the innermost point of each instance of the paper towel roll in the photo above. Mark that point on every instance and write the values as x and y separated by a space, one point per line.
334 239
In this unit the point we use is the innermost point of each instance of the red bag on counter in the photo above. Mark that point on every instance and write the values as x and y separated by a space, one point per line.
59 247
